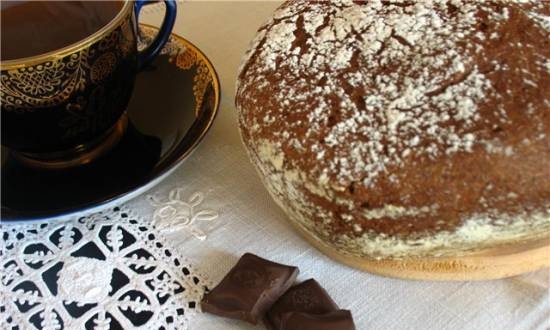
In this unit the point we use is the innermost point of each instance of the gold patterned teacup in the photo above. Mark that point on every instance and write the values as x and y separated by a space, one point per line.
66 107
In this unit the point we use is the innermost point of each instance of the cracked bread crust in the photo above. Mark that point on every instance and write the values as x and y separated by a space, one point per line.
396 128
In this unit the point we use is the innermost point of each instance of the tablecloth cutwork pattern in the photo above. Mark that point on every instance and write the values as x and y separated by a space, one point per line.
252 221
178 213
105 271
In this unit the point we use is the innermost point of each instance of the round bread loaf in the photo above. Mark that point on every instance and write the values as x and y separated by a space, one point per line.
388 129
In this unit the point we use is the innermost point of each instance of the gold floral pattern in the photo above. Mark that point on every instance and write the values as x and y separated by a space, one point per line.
52 83
45 84
184 59
103 67
171 48
201 81
127 42
112 39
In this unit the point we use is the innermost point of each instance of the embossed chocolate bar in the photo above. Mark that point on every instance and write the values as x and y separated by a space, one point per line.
307 297
249 289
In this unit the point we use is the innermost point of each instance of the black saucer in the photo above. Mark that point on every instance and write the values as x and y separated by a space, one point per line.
173 105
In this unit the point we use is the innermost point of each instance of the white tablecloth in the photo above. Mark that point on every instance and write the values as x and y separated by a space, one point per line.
250 221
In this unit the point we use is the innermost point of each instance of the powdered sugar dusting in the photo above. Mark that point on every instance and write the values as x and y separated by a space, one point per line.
413 92
338 99
477 231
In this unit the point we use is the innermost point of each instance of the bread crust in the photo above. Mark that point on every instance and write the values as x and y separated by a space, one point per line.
390 129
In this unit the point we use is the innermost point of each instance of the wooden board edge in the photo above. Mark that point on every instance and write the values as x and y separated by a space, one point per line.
490 264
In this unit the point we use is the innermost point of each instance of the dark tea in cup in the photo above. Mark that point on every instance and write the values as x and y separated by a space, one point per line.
32 28
67 74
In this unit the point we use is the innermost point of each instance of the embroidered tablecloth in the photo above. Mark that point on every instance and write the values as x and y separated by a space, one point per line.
218 179
250 221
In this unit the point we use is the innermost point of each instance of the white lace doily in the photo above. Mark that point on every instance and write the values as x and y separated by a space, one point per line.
111 270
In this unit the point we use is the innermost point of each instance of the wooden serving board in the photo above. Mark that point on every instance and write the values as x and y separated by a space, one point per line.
495 263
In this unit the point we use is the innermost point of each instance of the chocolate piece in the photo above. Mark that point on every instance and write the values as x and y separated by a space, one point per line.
337 320
249 289
308 297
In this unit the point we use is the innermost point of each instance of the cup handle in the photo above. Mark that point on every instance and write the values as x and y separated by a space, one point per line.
147 55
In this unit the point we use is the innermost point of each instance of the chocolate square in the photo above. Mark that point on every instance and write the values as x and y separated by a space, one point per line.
307 297
249 289
337 320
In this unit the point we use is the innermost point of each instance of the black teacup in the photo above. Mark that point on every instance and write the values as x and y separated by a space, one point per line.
63 97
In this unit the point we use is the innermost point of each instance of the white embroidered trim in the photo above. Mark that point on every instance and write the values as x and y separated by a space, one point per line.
176 213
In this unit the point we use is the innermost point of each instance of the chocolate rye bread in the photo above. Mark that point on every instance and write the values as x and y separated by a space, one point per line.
387 129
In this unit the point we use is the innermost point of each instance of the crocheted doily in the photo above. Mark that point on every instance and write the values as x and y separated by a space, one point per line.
110 270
